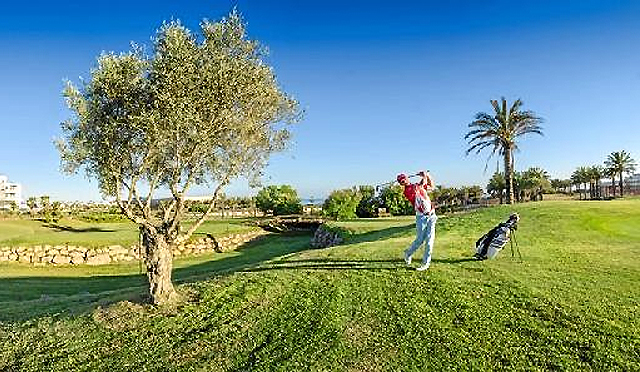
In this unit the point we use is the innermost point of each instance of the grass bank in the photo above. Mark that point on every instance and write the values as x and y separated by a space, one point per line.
572 304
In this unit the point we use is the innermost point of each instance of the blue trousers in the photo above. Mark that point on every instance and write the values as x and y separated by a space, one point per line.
425 231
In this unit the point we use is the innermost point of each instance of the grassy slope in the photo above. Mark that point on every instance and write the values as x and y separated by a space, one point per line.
75 232
573 304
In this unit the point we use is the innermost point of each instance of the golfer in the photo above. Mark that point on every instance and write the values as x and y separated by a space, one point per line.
426 217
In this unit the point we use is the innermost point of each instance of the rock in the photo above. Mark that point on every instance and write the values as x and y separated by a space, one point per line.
115 250
324 238
61 259
99 259
52 252
77 260
26 257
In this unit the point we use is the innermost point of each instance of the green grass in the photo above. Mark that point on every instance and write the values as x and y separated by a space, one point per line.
573 303
22 232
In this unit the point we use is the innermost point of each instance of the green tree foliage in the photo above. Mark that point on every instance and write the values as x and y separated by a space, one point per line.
13 207
559 185
198 110
581 177
534 181
444 197
46 208
279 200
341 204
496 186
369 203
620 162
500 132
596 172
32 203
393 199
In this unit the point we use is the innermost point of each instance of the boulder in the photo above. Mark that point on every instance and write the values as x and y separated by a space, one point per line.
99 259
115 250
25 257
61 259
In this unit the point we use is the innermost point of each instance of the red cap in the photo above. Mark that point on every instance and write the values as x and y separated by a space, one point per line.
401 177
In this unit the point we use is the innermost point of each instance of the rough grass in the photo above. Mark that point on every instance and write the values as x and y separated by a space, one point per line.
25 232
571 304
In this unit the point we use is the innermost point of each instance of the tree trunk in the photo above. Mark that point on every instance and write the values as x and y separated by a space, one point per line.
508 173
159 262
613 183
621 186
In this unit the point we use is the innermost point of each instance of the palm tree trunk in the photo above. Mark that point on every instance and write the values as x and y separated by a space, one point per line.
621 186
613 183
508 173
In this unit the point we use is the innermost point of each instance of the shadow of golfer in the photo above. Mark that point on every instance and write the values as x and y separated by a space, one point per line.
333 264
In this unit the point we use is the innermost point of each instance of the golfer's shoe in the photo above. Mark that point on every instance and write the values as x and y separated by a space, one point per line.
423 267
407 259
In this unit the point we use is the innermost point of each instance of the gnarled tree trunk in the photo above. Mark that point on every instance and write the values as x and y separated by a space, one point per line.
159 262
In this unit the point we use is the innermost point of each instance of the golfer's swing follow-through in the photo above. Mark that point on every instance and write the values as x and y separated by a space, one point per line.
417 194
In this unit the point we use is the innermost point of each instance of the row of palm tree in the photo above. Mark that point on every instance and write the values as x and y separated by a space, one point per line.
500 131
528 184
617 164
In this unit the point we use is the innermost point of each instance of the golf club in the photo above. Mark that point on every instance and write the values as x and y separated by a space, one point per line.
386 184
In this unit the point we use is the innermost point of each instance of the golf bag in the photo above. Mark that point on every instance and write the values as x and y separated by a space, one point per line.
491 243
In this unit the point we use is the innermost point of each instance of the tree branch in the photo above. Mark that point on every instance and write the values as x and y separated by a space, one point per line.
202 218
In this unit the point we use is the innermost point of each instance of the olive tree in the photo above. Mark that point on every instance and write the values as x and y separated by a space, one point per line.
195 110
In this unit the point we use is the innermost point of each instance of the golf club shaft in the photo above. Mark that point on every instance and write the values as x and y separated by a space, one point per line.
392 182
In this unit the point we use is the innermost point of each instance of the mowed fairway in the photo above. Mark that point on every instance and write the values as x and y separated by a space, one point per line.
573 303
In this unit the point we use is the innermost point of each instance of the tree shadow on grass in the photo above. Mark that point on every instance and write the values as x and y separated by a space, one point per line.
61 228
382 234
333 264
24 298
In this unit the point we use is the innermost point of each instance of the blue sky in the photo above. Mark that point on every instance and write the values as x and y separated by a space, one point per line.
387 87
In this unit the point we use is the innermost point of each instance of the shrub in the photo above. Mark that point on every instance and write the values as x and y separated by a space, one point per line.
393 199
341 204
279 200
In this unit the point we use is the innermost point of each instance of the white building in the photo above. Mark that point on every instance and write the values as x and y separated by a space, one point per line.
9 193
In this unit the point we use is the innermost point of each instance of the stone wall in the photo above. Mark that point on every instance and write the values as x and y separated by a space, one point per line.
74 255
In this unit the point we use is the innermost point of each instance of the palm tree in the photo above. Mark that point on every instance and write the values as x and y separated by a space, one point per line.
32 203
536 179
611 173
496 185
596 173
500 132
621 162
580 176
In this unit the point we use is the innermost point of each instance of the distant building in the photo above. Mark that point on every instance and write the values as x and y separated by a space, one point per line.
9 193
632 184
